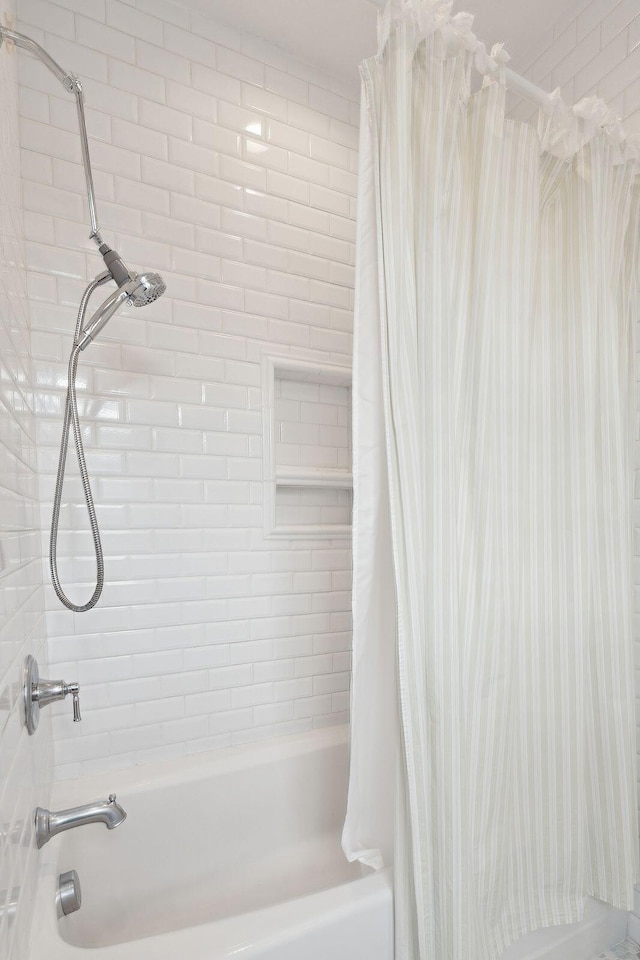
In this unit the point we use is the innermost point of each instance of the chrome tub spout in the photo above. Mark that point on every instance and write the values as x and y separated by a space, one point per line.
49 823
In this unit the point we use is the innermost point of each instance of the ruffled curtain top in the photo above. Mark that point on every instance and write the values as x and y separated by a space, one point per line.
563 129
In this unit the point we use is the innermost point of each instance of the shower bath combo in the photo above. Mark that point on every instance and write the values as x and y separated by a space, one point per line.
132 288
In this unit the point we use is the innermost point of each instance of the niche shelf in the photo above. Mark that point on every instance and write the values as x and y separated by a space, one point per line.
307 448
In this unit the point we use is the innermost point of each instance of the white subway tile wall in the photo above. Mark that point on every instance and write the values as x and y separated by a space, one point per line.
309 505
593 50
312 424
25 762
229 167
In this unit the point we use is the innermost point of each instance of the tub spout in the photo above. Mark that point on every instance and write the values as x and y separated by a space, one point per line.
49 823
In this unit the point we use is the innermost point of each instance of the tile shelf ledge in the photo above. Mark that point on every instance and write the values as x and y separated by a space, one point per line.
313 477
320 531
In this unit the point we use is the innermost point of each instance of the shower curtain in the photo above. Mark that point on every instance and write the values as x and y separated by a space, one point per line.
493 753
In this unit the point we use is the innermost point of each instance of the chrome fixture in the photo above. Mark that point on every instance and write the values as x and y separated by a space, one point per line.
72 84
136 290
48 823
37 693
68 894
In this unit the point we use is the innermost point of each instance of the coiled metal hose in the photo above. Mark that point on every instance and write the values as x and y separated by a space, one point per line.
71 418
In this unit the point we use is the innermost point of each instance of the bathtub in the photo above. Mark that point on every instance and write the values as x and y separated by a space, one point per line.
237 854
230 854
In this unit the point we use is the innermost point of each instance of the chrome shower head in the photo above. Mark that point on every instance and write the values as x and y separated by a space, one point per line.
150 286
136 290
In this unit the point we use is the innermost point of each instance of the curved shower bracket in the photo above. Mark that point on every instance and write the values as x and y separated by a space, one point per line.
72 84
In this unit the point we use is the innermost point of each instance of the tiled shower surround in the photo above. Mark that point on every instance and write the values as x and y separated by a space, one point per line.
230 168
25 761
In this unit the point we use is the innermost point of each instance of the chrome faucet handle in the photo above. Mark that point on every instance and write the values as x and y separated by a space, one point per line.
38 693
74 690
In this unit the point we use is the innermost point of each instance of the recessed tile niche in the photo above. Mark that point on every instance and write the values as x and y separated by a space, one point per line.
307 448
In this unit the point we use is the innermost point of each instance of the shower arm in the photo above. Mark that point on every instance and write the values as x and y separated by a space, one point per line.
72 84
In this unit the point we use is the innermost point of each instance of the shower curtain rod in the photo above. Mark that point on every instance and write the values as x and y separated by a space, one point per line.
515 82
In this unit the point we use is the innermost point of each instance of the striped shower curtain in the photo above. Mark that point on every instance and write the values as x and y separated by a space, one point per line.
497 288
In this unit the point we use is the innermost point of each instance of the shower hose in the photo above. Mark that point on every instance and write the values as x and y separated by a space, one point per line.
71 418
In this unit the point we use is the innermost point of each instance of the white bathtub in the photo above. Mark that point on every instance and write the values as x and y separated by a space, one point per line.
237 854
234 853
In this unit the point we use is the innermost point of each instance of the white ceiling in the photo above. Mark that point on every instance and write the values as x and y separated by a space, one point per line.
336 35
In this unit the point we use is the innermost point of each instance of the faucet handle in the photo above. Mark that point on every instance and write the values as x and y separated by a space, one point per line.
37 693
74 690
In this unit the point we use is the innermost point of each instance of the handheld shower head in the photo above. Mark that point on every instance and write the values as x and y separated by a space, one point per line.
150 287
137 290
